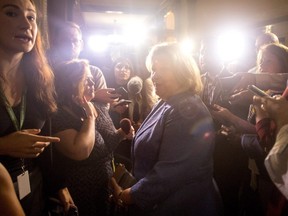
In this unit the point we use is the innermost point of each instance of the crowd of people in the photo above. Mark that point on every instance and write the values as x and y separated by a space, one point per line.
198 141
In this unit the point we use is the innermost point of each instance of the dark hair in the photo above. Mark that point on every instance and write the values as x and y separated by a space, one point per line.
112 80
125 60
70 77
281 53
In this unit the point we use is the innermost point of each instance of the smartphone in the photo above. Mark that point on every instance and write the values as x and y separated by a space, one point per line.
119 91
257 91
122 91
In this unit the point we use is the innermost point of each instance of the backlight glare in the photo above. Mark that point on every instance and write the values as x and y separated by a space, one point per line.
135 34
231 45
97 43
187 46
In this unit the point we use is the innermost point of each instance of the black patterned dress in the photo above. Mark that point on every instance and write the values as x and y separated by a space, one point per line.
87 180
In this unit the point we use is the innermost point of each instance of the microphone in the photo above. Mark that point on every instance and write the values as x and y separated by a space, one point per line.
125 125
134 85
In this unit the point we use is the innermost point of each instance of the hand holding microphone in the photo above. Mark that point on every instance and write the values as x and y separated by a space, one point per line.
127 128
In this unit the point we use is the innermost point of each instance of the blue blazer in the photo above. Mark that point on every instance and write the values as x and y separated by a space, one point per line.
172 155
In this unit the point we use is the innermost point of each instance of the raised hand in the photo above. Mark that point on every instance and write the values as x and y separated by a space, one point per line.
106 95
89 108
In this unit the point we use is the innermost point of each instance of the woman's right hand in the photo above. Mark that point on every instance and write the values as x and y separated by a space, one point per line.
25 143
89 108
87 105
66 199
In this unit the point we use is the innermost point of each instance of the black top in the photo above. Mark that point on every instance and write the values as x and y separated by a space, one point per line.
87 180
34 119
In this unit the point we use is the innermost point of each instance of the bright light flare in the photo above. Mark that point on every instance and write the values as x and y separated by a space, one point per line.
135 34
98 43
231 45
187 46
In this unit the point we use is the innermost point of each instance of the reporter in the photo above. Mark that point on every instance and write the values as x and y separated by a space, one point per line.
272 64
26 101
82 159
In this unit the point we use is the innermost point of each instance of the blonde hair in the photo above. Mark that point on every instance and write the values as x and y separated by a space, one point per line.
184 66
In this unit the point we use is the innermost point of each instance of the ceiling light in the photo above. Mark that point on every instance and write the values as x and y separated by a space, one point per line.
114 12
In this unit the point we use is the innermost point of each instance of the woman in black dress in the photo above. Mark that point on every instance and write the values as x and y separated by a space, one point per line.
83 156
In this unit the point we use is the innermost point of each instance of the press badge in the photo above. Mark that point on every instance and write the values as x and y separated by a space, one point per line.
23 184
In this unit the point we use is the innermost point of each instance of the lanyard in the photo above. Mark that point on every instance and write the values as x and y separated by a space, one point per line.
18 125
